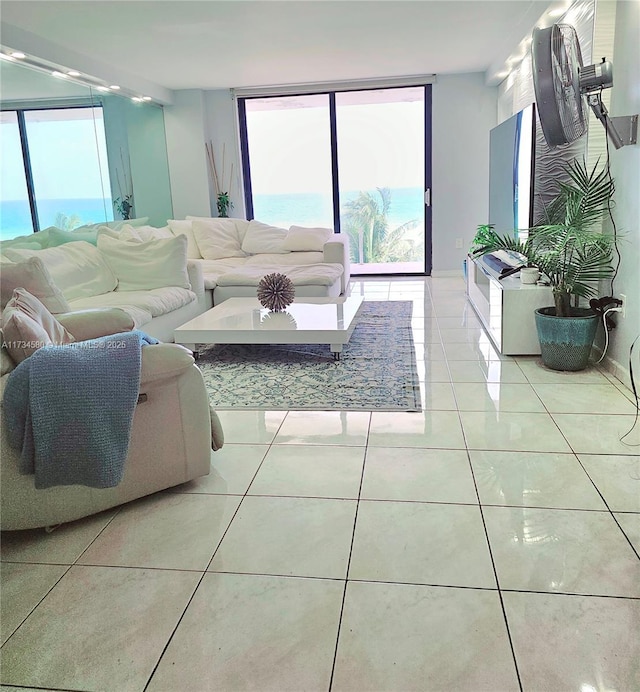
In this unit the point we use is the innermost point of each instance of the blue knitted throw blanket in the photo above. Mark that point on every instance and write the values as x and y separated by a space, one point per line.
69 409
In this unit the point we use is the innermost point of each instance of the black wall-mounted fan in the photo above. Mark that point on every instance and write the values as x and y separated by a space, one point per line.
562 83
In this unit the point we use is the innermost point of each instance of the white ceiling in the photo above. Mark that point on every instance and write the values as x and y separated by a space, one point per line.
209 44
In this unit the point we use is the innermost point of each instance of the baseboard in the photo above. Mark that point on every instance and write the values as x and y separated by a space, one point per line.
444 273
619 371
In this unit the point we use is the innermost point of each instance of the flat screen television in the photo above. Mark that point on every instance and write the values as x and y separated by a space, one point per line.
512 146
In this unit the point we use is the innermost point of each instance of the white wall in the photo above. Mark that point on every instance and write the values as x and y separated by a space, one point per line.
625 169
464 110
185 130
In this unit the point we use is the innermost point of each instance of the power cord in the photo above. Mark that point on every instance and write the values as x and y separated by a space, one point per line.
606 331
613 223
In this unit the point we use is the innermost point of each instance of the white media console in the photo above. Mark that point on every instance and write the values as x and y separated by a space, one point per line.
506 308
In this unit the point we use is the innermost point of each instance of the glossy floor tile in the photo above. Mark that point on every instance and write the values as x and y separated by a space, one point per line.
325 428
23 587
165 531
617 478
489 542
100 628
418 543
598 434
62 546
244 632
421 475
250 427
497 396
536 432
428 429
536 373
406 637
232 470
566 551
533 479
630 524
486 371
310 471
574 642
583 398
304 537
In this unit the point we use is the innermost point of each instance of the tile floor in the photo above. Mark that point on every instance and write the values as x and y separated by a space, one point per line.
488 543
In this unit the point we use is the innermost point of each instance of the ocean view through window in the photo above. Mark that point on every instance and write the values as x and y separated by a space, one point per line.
67 162
354 161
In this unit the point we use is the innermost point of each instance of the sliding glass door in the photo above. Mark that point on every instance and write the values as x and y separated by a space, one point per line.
381 169
357 161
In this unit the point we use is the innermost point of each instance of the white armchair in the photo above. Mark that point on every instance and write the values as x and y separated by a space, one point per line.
171 443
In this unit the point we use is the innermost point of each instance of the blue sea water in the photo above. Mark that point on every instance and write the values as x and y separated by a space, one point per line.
302 209
309 209
15 217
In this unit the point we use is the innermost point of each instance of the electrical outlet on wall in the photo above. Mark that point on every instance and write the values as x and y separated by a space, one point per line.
458 243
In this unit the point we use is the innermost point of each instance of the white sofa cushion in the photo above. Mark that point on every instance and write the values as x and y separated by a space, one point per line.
146 265
302 239
77 269
218 238
305 275
141 305
185 228
212 270
284 260
33 276
262 238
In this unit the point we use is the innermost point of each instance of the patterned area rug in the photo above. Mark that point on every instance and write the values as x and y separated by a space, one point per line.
376 371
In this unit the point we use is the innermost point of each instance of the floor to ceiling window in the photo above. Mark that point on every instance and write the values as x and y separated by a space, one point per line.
54 169
15 212
357 161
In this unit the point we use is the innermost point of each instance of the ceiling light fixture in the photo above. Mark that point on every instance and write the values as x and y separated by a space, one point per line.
4 56
55 73
147 98
137 99
17 54
115 87
102 88
73 73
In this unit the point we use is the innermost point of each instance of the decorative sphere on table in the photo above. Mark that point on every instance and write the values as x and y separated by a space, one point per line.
276 291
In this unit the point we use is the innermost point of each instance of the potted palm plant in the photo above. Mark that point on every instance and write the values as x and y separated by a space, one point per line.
573 254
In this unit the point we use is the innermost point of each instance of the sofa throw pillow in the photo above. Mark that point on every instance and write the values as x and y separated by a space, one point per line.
141 266
77 269
114 225
144 233
96 322
33 276
217 238
185 228
28 325
303 239
262 238
57 236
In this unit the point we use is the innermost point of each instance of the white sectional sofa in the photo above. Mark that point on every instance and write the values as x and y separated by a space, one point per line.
163 277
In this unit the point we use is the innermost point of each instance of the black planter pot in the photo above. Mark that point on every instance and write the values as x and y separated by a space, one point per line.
565 342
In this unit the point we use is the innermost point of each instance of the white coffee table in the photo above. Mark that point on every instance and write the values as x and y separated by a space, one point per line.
244 321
